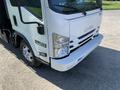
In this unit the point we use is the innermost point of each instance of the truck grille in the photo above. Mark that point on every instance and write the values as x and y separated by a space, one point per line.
80 41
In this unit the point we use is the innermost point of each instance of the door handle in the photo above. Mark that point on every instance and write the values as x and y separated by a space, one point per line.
15 20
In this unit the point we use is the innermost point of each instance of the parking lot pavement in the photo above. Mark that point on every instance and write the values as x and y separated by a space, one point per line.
99 71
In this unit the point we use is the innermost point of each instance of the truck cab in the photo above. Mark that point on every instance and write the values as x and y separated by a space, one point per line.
60 33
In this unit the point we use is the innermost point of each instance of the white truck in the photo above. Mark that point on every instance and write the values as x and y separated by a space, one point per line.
59 33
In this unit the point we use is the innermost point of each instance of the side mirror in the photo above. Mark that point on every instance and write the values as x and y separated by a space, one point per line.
41 30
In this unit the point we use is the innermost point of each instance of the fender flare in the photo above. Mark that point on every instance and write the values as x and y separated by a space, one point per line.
15 34
27 42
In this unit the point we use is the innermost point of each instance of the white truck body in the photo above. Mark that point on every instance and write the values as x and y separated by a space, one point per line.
79 30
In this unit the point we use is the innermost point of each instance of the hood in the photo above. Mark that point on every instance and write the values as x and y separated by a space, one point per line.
83 27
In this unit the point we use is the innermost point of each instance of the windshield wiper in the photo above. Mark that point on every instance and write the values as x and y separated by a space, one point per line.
67 7
70 7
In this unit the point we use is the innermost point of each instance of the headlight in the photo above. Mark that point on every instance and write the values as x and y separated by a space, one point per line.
60 46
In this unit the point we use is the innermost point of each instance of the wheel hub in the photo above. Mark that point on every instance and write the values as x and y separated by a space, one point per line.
27 54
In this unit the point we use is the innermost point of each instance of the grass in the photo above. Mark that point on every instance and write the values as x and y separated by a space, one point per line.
111 5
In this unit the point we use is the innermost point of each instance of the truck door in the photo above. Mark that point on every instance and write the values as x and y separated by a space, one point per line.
27 18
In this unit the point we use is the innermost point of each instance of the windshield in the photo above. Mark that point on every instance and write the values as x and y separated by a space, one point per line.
74 6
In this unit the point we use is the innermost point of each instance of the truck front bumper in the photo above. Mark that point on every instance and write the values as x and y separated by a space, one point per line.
77 56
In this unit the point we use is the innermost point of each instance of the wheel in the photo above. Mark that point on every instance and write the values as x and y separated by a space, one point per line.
0 34
28 55
5 37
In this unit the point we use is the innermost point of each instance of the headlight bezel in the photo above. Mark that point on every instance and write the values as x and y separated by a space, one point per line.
60 45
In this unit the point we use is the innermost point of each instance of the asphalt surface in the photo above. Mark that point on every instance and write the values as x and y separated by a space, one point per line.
99 71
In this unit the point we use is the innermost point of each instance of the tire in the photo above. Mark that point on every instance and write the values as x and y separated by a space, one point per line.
28 54
5 35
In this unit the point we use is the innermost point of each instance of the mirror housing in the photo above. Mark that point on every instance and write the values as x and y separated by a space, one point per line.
41 30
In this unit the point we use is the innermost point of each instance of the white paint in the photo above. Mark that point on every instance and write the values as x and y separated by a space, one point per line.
71 26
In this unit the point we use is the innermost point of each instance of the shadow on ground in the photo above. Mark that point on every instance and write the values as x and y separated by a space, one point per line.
99 71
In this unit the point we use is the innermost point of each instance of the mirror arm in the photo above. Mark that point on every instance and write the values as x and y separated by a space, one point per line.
40 27
19 8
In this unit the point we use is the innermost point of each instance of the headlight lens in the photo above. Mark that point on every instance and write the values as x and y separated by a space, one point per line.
60 46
